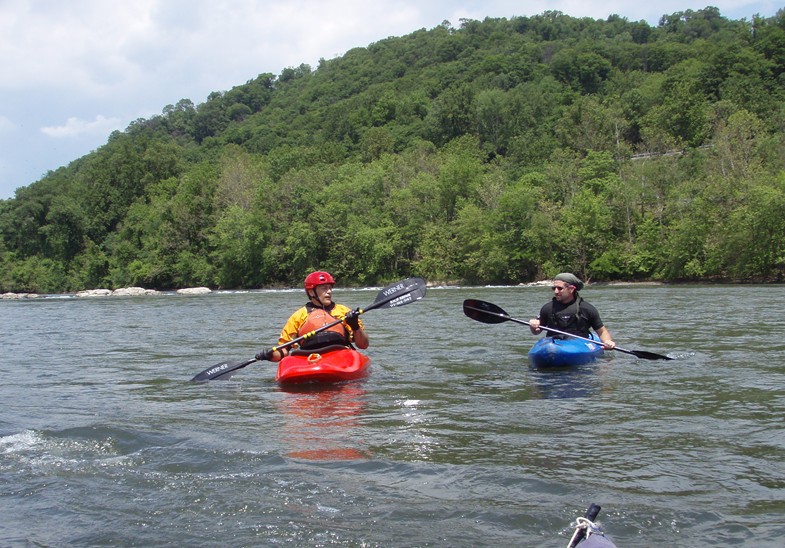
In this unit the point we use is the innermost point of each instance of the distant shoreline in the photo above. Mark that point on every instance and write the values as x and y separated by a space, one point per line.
141 292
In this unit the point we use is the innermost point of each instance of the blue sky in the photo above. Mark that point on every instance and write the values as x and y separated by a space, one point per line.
76 70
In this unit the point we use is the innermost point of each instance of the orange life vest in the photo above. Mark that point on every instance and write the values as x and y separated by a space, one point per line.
317 318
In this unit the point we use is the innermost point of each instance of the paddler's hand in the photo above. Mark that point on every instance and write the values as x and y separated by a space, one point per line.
352 319
534 325
265 355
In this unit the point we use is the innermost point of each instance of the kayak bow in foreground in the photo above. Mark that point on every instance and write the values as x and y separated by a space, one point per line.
588 534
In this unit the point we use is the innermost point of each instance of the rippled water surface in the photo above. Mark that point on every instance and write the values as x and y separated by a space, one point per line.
452 441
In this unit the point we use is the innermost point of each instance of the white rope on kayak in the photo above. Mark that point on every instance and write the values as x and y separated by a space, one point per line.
583 530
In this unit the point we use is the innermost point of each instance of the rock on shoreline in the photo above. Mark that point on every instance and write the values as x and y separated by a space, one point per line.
194 291
122 292
19 296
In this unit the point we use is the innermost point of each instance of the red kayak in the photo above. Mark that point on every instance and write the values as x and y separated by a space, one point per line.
328 365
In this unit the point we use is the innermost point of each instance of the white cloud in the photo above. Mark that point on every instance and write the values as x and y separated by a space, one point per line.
75 127
68 44
6 124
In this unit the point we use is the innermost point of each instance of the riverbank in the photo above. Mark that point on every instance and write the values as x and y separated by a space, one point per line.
140 291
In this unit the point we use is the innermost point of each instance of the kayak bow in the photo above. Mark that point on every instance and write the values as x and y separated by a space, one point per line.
329 365
553 352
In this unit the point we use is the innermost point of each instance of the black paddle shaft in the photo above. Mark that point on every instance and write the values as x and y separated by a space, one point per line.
486 312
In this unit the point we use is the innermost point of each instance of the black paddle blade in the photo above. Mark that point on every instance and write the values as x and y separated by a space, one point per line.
642 354
484 312
399 294
221 371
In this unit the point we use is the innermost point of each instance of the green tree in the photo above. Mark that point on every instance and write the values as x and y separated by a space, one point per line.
64 229
754 245
451 115
584 232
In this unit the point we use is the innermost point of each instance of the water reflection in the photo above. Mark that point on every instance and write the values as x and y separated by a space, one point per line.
580 381
321 422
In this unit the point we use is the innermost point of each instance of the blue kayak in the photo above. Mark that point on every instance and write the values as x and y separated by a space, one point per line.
551 352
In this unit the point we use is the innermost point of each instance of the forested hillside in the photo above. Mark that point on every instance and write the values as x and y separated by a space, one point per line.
495 151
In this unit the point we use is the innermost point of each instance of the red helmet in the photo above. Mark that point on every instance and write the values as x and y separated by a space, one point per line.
318 278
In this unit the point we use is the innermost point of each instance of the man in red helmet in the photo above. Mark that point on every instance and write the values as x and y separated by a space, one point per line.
318 312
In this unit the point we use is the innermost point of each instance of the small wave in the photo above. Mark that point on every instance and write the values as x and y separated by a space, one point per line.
21 441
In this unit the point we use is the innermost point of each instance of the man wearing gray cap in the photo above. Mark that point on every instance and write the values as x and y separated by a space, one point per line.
569 312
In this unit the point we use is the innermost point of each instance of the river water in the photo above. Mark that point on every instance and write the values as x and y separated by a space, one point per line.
452 441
